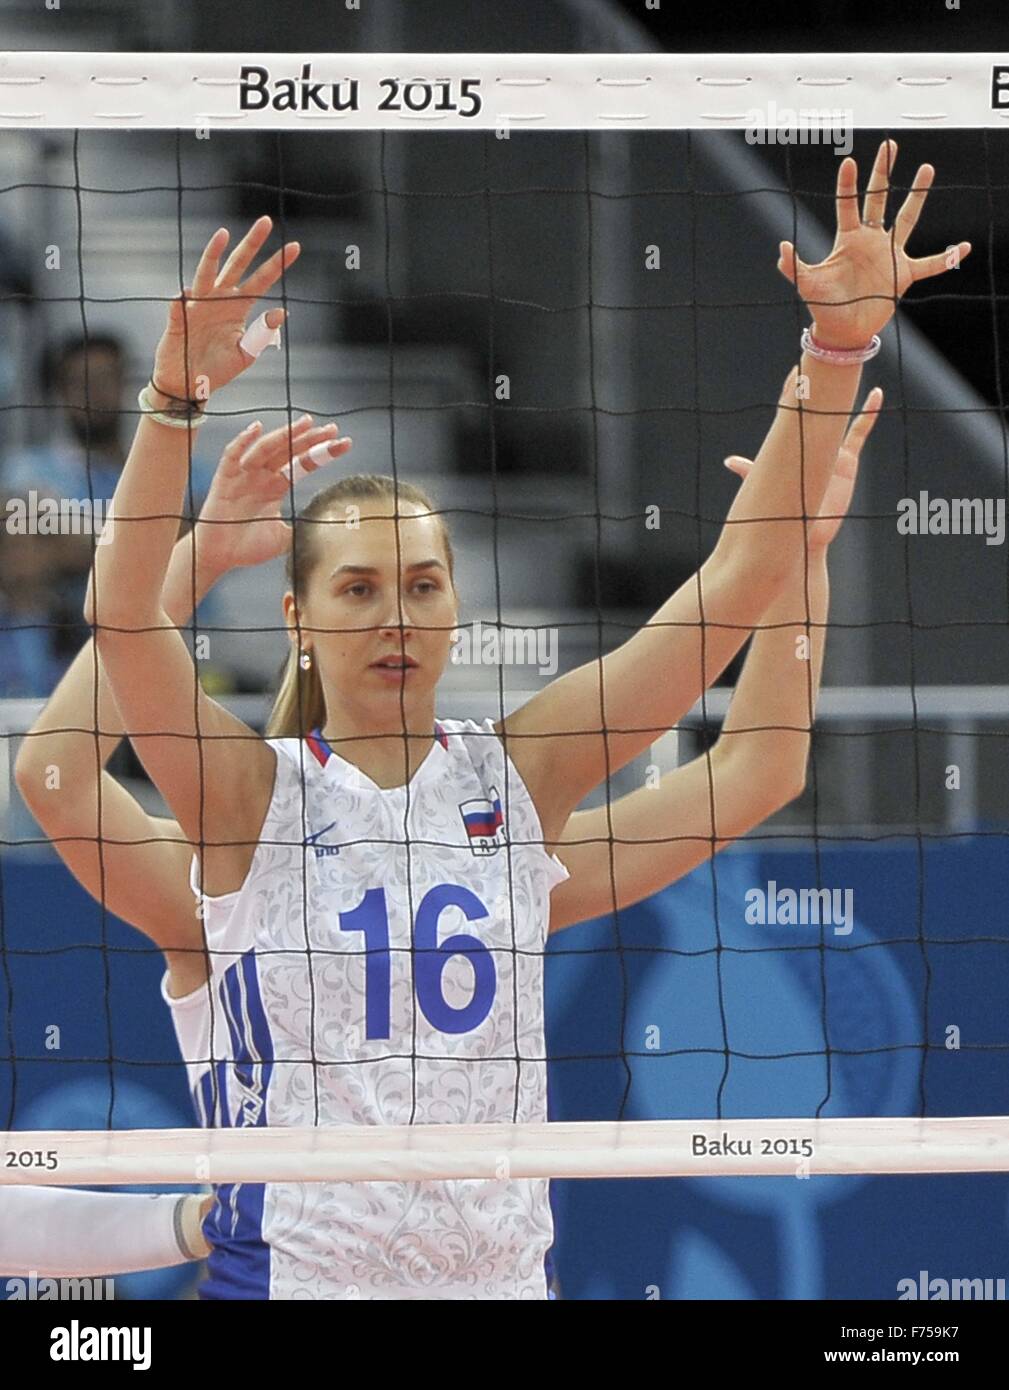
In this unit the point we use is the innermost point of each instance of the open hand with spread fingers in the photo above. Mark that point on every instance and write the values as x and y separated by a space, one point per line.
853 293
199 351
240 522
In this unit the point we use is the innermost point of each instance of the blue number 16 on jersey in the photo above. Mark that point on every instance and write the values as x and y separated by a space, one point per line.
372 918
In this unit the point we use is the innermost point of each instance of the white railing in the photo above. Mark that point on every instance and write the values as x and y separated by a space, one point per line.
956 716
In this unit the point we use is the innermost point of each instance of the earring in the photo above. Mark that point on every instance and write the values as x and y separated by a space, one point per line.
305 661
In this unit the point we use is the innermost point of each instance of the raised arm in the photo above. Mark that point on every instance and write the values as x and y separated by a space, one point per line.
644 841
214 772
643 688
138 864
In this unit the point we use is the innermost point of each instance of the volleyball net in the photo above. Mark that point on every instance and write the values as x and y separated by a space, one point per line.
544 287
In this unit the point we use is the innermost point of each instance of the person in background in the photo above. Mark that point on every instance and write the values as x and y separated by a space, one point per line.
43 577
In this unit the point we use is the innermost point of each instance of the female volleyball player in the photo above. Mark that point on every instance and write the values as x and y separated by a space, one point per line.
342 1002
50 1231
138 863
146 859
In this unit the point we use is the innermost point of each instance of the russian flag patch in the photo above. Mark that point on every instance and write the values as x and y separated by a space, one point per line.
484 823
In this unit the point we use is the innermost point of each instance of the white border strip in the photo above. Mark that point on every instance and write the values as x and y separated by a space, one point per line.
519 91
414 1153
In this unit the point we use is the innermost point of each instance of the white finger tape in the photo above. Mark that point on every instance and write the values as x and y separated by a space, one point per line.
318 455
300 471
259 335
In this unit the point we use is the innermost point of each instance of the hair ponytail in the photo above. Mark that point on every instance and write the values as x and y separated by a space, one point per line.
300 705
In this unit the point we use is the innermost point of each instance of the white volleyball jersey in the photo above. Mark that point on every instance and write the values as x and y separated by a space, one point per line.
382 964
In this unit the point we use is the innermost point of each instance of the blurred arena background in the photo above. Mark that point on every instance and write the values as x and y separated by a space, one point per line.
628 386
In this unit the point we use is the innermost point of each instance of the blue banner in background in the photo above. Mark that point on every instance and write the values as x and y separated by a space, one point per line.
105 1004
699 1005
751 1022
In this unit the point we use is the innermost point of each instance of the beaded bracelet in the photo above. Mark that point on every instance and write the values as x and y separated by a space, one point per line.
840 357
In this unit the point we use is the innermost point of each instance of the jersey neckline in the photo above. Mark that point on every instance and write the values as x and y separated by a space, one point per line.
329 759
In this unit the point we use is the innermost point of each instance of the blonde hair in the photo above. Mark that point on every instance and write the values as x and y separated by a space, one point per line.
300 705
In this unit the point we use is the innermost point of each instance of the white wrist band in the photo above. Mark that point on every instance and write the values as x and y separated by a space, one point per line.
191 420
840 357
259 335
188 1225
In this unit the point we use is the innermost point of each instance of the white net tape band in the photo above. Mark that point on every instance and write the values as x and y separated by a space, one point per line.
410 1153
496 91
